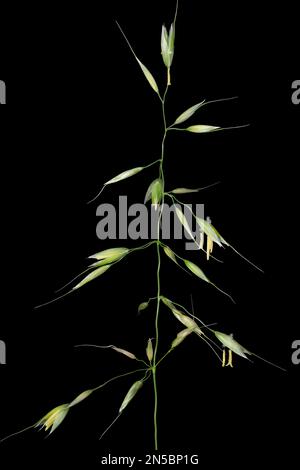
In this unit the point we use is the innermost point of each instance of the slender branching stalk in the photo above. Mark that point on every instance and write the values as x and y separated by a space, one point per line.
161 176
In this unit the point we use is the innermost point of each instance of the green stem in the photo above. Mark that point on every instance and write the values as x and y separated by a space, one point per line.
151 164
143 247
161 176
117 377
164 356
176 129
156 347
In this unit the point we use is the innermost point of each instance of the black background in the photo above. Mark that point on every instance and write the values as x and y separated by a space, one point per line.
80 112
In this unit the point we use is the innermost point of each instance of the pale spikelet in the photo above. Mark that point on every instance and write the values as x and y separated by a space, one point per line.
184 319
188 113
232 344
167 45
124 175
210 231
196 270
149 76
183 220
93 275
130 394
54 418
149 350
187 321
156 192
81 397
149 191
171 42
237 348
110 252
104 262
167 302
199 273
170 253
200 128
123 351
164 45
184 191
181 337
143 306
146 72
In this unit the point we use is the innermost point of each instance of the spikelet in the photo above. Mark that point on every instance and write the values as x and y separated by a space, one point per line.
131 394
149 350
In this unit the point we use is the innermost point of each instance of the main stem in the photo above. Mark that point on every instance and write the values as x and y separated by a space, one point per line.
154 364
